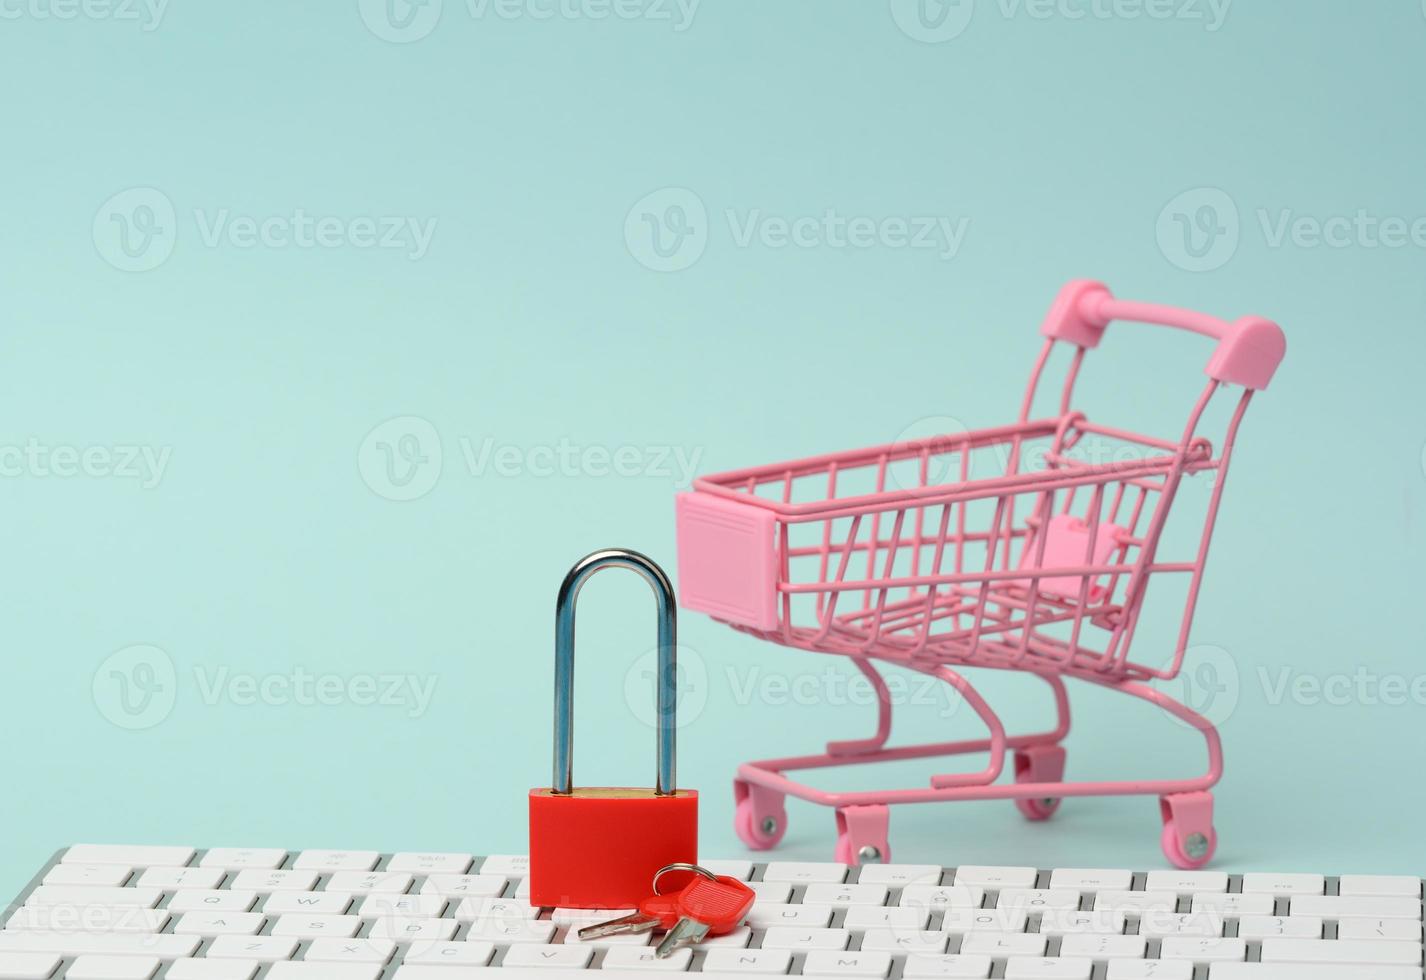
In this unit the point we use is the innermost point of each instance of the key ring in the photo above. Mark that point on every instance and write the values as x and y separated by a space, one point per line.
681 866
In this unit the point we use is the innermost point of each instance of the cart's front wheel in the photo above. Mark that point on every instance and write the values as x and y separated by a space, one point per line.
1039 764
760 819
1191 852
861 835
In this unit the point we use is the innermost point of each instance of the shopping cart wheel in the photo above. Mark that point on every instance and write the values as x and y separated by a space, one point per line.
760 819
1039 764
1189 840
861 835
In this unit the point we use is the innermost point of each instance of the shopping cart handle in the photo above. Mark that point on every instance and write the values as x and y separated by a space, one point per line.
1249 349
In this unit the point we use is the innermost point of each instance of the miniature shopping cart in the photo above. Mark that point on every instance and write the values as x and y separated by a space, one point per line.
1011 548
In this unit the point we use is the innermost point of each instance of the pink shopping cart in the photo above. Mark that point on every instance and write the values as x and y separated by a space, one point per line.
1025 547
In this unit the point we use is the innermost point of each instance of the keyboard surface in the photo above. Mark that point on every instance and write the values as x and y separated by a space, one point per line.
112 912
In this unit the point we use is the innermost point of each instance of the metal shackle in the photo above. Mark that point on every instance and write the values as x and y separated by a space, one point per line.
666 687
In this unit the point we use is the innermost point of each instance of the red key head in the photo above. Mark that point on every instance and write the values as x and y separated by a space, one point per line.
661 907
720 903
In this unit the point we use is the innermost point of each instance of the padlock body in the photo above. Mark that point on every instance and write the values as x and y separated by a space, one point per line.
599 847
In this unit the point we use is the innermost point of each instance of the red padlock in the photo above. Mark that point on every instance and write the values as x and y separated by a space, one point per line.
599 847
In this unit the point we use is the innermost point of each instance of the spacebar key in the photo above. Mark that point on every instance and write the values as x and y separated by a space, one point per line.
1303 971
164 946
1354 951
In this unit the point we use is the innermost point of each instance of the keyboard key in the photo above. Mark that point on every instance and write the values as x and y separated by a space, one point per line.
1003 944
643 958
947 967
451 954
1301 971
460 885
1380 886
1150 970
81 895
88 918
1399 929
738 938
935 897
509 930
772 892
823 963
471 909
540 955
1186 882
134 856
995 877
1295 926
406 930
206 969
1283 885
257 880
842 895
1104 947
240 858
1070 923
742 870
796 937
265 949
366 950
384 882
506 865
805 916
805 872
166 946
219 923
324 971
312 903
1198 924
1091 879
443 863
28 966
212 900
984 920
1233 904
1038 899
619 939
747 961
1203 950
336 860
1338 907
883 917
584 917
900 874
93 966
1342 951
316 926
1047 968
905 941
419 906
171 878
88 874
1136 903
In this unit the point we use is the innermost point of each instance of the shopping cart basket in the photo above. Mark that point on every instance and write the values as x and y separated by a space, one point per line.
916 554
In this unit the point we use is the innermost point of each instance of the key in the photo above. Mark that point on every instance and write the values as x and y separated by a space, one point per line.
82 895
900 875
418 906
240 858
643 958
1282 885
92 966
449 953
1038 899
994 877
430 863
1186 882
206 969
747 961
1378 886
742 870
258 880
881 917
1342 951
28 966
844 895
1002 944
134 857
508 865
946 967
1069 923
905 941
825 963
383 882
461 886
1233 904
316 926
1265 926
1091 879
1136 903
164 946
1103 947
266 949
654 912
793 937
541 955
1337 907
1047 968
804 872
324 971
705 907
88 918
1203 950
318 903
212 900
366 950
810 916
219 924
87 874
1303 971
336 860
1402 929
1135 969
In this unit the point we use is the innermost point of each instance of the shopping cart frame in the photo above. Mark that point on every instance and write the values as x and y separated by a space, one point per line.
736 554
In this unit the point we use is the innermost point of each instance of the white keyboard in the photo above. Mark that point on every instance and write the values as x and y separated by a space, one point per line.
110 912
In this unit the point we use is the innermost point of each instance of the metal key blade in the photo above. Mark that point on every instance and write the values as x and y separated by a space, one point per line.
685 932
634 924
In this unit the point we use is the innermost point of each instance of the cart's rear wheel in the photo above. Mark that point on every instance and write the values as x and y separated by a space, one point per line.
760 819
862 835
1039 764
1189 852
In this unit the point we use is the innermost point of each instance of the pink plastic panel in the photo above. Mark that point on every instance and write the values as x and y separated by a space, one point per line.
1066 543
727 560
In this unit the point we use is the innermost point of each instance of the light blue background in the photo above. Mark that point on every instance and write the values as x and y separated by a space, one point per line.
267 545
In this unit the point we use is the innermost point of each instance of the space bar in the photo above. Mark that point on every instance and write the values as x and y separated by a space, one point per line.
165 946
1301 971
